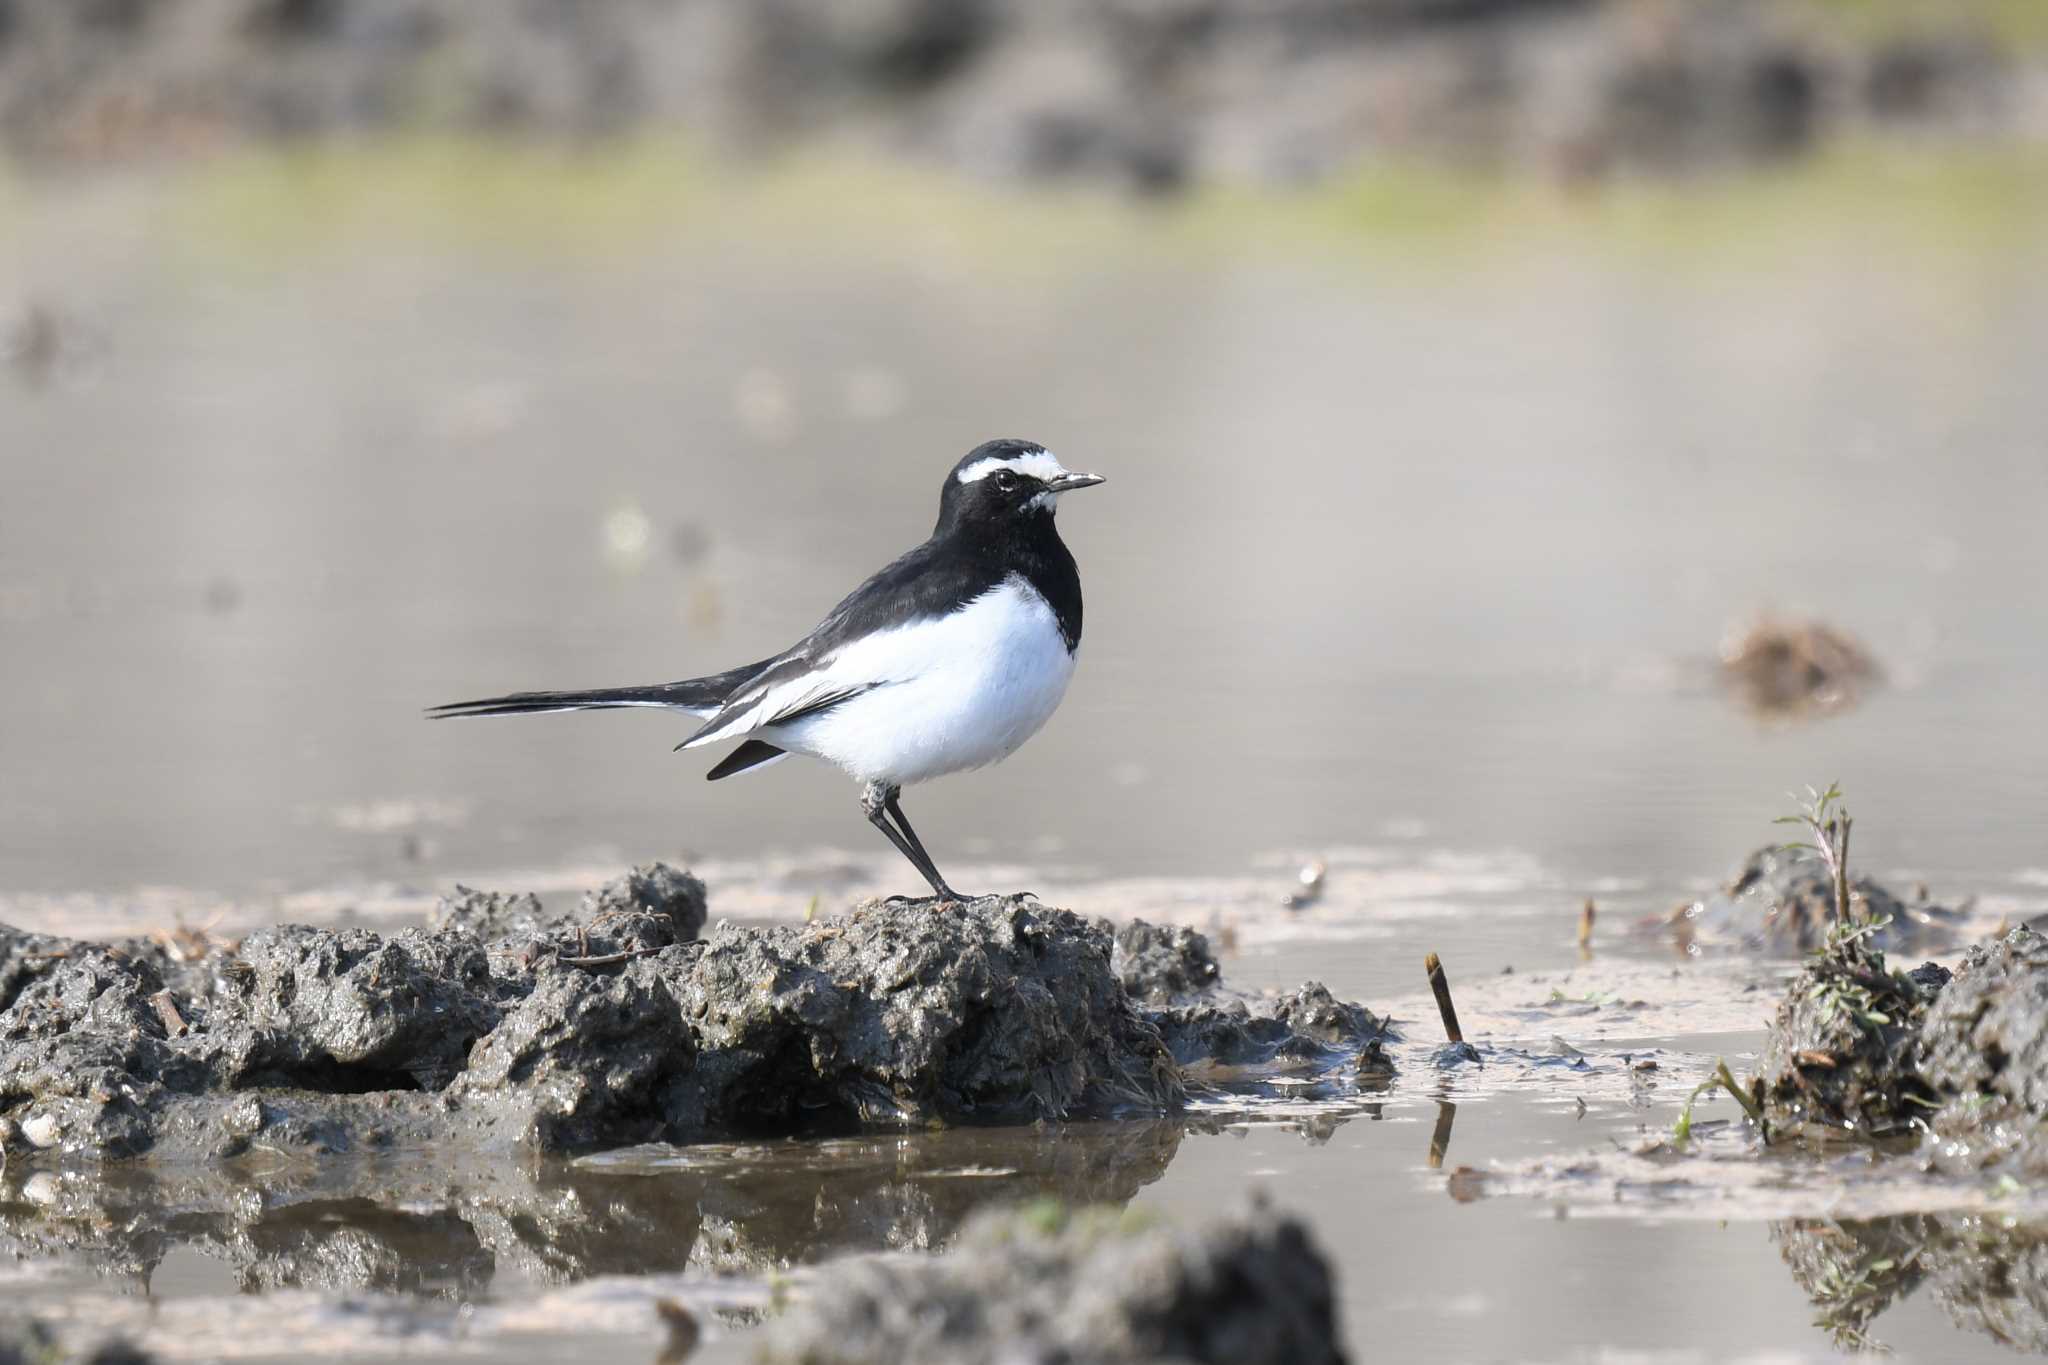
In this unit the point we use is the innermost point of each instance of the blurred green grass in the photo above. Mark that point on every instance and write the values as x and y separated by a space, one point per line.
258 206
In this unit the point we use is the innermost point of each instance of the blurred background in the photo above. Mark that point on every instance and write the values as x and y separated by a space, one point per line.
1546 427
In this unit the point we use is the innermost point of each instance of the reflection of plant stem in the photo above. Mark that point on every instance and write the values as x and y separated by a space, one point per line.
1440 1139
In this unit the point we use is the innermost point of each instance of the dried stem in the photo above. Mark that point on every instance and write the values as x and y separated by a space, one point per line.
1441 987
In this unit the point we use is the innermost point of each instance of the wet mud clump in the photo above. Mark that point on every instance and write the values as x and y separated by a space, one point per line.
1002 1010
648 908
1093 1285
1159 963
506 1026
1859 1047
1218 1033
1984 1047
1842 1052
1781 900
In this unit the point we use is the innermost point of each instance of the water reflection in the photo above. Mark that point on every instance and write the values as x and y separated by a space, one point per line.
1989 1273
409 1229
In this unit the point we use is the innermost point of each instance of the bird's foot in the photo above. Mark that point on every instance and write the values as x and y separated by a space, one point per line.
937 902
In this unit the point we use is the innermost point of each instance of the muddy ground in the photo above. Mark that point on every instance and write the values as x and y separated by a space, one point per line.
285 1085
503 1027
802 1065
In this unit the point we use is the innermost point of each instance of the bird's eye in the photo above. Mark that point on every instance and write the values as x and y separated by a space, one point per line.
1007 481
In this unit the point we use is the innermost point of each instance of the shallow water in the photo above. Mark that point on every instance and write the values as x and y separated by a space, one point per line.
1414 558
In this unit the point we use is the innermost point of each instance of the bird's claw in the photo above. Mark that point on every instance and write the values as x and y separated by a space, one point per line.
938 901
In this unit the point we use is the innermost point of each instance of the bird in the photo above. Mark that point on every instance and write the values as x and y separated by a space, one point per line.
946 660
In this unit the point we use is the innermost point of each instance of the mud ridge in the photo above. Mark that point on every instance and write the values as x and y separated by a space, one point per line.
503 1026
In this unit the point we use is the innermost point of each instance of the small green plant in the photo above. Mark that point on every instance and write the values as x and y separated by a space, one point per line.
1722 1079
1827 820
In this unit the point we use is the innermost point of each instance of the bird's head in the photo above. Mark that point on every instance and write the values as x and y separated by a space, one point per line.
1003 482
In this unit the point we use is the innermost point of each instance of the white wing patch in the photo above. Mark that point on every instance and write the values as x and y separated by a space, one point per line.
1041 465
947 693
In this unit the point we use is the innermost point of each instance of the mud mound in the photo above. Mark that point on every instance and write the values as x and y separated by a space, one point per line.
1984 1046
1040 1283
508 1026
1860 1047
1842 1051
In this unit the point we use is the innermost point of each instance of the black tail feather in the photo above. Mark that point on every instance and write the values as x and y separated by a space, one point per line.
752 754
692 694
536 703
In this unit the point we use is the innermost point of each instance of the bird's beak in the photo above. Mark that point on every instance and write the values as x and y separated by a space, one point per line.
1067 483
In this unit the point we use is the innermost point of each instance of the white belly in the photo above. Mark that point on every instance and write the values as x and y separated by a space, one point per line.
957 692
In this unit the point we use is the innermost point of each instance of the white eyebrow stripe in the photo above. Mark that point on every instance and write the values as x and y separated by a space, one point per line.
1039 465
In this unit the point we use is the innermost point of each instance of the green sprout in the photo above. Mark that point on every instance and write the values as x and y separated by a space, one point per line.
1722 1079
1827 820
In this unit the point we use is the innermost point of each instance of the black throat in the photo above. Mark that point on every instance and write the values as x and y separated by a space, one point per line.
1028 545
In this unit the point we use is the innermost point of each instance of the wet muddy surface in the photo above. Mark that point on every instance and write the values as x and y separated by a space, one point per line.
1557 1121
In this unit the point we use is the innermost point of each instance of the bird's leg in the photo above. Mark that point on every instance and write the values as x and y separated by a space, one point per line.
892 802
877 802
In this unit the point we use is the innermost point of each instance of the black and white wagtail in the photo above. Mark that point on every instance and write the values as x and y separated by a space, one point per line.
946 660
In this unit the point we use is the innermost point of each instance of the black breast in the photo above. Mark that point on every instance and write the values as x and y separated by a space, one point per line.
1046 563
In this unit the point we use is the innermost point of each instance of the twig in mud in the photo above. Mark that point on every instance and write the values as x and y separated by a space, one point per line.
57 956
167 1010
1722 1079
1441 988
1586 914
607 959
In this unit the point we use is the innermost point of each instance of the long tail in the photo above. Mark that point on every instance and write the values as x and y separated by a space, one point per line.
698 696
